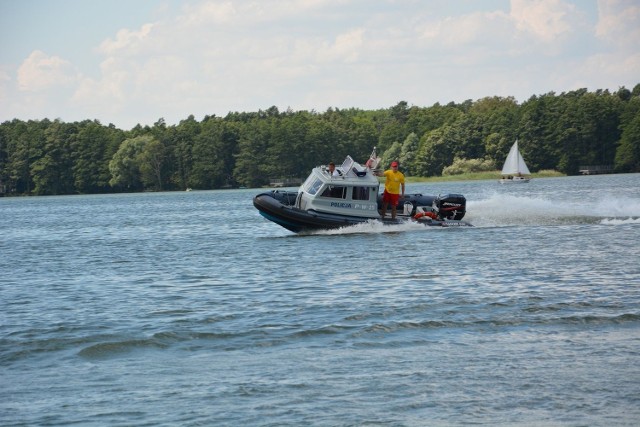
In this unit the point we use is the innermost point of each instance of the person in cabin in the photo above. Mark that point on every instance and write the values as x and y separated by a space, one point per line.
332 170
393 189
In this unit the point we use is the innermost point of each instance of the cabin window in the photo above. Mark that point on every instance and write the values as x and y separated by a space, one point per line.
312 186
361 193
335 192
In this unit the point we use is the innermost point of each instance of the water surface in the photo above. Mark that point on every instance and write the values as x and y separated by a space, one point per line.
191 309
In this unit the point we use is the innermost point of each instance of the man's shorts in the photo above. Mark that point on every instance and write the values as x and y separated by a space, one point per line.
392 199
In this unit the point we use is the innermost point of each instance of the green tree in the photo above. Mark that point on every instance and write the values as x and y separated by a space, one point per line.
361 133
408 153
51 173
288 143
461 166
627 157
323 143
391 154
393 126
542 122
247 148
183 139
435 153
25 141
496 121
93 147
213 154
251 166
4 160
125 164
151 161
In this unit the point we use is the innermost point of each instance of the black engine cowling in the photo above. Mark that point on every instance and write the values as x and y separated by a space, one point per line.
450 206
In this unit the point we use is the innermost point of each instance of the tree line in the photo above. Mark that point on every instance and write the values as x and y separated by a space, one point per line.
555 131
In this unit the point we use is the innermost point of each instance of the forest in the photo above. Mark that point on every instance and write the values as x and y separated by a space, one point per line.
247 149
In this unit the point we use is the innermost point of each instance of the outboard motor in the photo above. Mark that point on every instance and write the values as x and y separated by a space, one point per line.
450 206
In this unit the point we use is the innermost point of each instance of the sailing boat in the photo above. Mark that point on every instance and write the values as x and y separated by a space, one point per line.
515 169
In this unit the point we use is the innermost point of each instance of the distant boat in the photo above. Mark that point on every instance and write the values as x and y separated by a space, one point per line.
515 170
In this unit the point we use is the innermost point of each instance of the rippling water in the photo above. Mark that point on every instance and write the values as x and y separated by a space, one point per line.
191 309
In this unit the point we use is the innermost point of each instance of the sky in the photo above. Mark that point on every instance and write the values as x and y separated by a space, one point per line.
130 62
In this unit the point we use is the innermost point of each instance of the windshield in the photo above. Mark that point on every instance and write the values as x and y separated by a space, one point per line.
312 185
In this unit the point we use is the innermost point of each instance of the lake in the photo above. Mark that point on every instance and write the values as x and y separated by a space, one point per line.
189 308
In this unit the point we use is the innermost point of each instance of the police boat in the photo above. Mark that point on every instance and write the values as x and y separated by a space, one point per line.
349 196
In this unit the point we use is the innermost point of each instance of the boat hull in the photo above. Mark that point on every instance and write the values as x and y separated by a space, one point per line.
278 207
514 180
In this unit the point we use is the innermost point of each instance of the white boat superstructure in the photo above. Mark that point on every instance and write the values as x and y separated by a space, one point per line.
350 190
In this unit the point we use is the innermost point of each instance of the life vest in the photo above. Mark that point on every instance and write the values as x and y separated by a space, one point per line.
419 215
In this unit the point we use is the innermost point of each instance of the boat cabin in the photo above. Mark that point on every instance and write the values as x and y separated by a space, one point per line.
351 190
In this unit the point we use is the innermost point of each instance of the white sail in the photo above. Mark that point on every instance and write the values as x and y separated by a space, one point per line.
515 165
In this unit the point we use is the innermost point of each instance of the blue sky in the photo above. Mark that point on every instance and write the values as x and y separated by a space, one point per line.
134 62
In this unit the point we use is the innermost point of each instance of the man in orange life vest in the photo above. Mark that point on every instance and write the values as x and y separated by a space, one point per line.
391 195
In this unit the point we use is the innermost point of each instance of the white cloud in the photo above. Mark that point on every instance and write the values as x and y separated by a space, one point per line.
619 22
207 13
5 81
345 47
539 22
207 55
616 61
301 53
109 91
212 57
41 71
472 29
127 41
546 19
